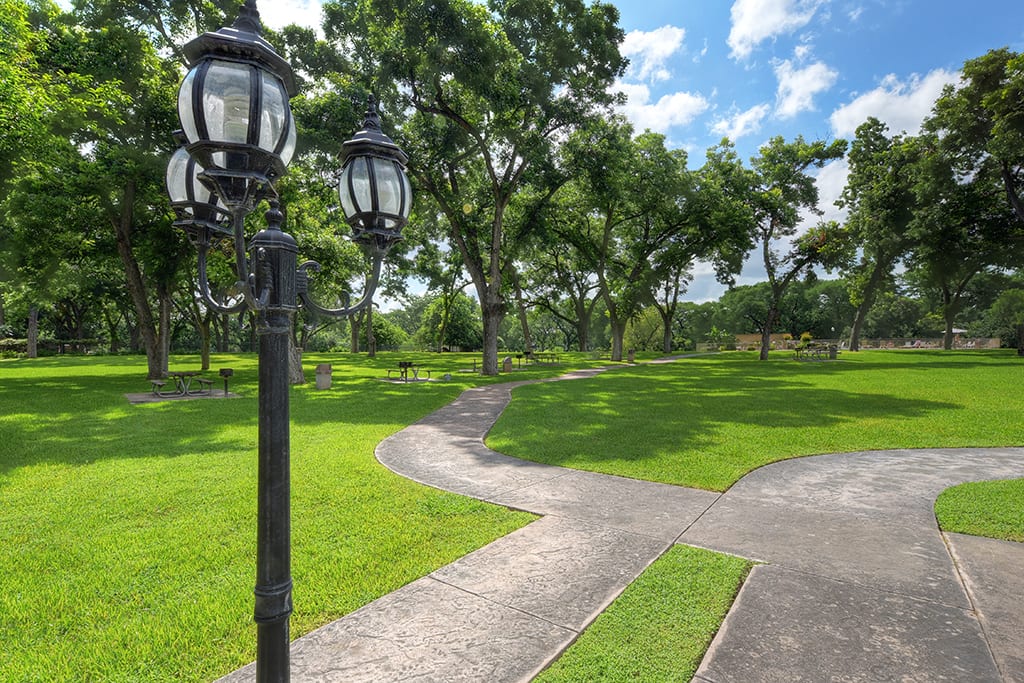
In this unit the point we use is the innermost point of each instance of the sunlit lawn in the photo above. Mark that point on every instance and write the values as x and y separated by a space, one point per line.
705 422
129 530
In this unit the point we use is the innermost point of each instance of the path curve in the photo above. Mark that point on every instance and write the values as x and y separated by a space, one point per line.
858 583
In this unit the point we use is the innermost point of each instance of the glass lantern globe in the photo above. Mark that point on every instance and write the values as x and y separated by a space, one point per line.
375 193
197 207
233 107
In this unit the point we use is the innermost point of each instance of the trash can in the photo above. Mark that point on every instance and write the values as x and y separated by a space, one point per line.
833 352
323 376
506 365
631 355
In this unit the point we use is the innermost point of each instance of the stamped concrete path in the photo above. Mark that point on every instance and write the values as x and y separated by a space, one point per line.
857 583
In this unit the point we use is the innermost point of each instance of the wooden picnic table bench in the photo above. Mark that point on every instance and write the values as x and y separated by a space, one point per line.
816 352
405 367
182 384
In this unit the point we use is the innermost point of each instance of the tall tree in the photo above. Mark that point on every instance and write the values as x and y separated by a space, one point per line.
879 195
963 227
493 89
781 189
981 121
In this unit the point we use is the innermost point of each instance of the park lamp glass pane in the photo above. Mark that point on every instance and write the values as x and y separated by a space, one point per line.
193 201
389 187
288 150
354 191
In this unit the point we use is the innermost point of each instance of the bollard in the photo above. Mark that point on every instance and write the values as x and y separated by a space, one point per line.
506 365
323 376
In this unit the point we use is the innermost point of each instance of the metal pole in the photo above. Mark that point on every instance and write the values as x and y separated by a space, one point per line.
274 256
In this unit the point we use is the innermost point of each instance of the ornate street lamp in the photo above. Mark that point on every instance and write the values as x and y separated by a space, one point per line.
239 137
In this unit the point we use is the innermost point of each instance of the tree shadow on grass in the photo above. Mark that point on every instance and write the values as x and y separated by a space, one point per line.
702 425
75 419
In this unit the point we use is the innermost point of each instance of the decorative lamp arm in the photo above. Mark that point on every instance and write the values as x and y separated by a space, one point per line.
203 245
302 282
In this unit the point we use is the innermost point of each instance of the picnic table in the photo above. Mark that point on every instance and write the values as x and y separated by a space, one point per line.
814 351
183 384
541 358
404 368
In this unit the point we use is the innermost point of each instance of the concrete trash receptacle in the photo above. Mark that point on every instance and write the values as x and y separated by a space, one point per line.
506 365
323 376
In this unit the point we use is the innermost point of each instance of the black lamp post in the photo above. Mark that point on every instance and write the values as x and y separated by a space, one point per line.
239 137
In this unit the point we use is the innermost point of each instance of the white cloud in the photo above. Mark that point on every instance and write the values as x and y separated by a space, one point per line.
277 15
797 87
741 123
901 105
754 21
675 109
831 180
652 50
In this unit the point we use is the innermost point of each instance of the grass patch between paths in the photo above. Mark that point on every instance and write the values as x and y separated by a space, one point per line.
661 625
994 509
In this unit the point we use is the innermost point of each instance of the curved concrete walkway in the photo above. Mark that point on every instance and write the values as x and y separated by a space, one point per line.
858 583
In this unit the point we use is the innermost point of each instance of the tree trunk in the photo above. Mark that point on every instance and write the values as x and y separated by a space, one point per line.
371 340
521 310
766 331
618 334
164 333
203 327
136 286
867 301
32 342
111 323
493 313
295 373
224 334
354 325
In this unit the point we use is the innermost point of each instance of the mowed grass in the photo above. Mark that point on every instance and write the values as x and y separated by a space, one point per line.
986 508
705 422
128 531
661 625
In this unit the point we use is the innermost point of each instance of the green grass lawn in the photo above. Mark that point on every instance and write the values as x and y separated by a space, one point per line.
660 626
129 530
705 422
985 508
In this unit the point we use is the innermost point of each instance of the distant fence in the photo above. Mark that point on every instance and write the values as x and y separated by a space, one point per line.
752 342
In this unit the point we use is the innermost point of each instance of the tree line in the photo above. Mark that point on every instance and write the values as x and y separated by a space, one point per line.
530 191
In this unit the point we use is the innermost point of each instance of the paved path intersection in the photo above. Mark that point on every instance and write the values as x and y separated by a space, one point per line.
857 585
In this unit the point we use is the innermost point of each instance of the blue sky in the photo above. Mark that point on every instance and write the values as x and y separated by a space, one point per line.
752 69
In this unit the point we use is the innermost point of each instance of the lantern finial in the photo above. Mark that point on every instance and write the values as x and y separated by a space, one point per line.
372 118
249 18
